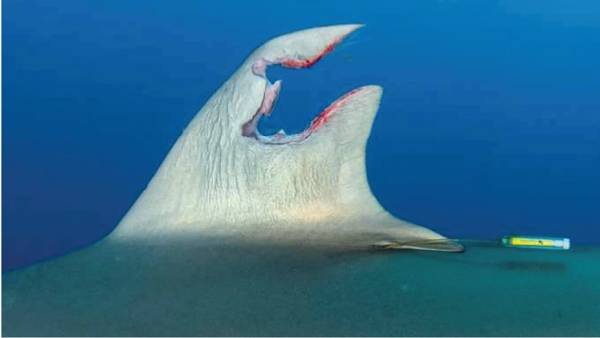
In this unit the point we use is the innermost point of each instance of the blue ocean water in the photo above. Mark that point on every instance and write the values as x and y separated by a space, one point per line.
489 122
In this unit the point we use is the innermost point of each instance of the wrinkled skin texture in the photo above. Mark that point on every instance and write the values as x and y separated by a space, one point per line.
223 205
216 181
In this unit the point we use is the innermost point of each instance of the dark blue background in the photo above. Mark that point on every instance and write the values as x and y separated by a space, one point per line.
489 124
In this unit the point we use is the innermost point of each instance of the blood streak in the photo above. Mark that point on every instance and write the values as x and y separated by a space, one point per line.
272 92
326 114
305 63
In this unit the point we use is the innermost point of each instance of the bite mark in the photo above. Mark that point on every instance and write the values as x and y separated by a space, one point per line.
309 62
328 112
259 67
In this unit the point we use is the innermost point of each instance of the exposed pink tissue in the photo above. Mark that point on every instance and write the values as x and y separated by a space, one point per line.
260 67
326 114
270 97
290 62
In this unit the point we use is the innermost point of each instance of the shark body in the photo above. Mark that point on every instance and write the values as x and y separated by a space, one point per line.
223 184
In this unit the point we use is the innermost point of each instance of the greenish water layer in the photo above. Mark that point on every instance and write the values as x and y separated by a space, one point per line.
182 290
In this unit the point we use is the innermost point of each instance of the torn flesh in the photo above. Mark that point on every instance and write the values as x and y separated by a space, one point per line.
259 68
226 181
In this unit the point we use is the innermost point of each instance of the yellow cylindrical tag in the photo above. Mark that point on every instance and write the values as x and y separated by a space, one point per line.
537 242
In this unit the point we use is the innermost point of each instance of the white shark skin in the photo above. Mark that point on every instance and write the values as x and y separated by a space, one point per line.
226 219
217 183
126 285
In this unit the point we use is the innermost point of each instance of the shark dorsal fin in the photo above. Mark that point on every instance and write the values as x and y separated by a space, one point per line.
222 178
